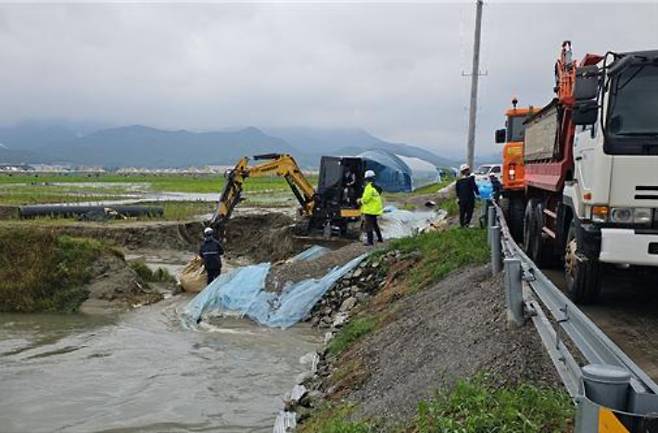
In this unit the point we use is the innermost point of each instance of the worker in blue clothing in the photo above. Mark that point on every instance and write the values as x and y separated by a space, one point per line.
496 187
211 252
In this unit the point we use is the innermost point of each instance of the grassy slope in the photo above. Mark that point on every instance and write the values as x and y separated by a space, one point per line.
43 272
442 252
473 406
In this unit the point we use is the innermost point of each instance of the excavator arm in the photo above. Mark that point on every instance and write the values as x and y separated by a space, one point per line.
283 165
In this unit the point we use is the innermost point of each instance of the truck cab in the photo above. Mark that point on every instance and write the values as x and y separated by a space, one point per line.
613 190
513 169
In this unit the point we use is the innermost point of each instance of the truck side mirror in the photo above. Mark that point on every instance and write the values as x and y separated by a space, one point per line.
500 135
587 83
585 112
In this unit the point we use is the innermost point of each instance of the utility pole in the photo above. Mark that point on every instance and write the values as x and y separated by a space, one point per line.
475 73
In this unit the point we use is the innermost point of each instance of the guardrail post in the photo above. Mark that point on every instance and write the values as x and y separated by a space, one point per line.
514 291
491 221
607 385
496 250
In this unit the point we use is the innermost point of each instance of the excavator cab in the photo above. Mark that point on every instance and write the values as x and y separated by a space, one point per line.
341 180
340 184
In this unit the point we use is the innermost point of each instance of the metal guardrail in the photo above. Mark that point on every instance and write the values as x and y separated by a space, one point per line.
611 384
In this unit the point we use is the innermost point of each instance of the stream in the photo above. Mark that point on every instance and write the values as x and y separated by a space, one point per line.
142 371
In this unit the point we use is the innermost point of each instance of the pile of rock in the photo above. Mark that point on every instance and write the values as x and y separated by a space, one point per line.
331 313
353 289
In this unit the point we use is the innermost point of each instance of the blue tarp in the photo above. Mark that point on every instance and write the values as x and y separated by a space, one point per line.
311 253
486 189
243 291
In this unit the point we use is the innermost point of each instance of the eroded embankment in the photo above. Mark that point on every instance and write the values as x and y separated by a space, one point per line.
413 322
265 237
128 235
41 270
58 266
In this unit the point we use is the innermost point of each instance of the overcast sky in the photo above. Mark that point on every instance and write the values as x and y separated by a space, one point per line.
394 69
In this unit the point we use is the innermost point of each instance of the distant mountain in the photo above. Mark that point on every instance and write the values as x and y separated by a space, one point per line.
17 156
34 135
350 142
142 146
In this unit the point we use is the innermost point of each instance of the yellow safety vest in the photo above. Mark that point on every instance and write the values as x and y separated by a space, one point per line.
371 201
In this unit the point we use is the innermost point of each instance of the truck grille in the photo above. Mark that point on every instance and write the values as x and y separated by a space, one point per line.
644 192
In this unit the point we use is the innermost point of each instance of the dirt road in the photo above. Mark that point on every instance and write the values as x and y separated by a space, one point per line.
628 313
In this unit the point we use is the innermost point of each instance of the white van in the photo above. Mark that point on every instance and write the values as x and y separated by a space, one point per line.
484 170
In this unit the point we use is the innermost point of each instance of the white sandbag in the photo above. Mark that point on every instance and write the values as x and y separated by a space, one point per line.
193 277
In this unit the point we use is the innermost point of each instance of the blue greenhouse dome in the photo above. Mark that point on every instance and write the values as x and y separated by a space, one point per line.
396 175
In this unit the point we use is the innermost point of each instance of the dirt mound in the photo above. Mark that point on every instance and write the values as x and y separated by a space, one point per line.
285 272
263 238
453 330
116 282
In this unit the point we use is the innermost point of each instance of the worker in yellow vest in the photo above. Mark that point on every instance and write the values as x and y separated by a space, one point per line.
372 206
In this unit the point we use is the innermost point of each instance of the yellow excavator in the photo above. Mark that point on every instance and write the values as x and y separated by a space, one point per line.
330 208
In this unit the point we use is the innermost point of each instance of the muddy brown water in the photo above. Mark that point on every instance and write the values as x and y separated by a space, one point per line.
142 371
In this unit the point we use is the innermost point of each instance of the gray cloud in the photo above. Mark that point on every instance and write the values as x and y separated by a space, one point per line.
393 69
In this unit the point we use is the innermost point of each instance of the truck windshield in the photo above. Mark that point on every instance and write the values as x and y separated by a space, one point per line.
633 113
515 128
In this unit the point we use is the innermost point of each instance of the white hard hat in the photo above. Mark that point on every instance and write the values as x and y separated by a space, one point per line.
464 167
369 174
208 231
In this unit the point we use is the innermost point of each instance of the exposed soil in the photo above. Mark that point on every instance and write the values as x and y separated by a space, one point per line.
285 272
263 237
260 237
117 285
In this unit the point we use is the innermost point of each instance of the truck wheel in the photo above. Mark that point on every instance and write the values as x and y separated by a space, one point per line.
528 226
516 214
538 252
582 274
